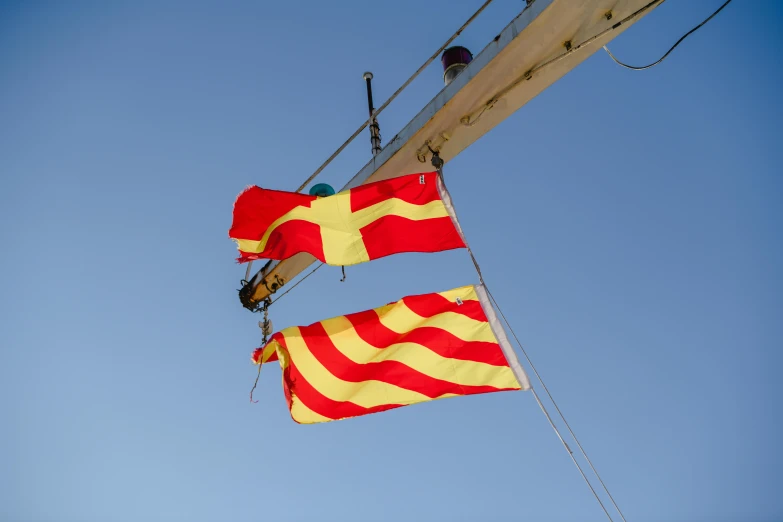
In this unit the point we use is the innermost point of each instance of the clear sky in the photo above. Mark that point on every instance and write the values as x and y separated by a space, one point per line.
629 223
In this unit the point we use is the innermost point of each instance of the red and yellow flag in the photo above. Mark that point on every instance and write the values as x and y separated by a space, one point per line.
421 348
405 214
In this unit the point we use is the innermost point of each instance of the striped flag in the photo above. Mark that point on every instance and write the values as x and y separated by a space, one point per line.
421 348
405 214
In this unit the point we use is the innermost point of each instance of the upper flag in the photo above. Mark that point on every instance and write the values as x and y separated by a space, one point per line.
410 213
421 348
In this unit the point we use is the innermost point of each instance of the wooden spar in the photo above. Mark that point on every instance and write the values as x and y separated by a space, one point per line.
555 35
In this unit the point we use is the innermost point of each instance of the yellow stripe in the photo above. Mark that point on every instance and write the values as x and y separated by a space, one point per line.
366 394
401 319
372 393
417 357
466 293
269 350
340 236
398 207
340 227
304 415
299 411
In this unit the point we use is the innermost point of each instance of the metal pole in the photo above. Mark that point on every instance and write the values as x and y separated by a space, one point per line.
375 130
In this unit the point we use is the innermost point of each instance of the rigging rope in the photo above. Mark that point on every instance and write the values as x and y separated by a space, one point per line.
438 164
570 453
568 426
471 119
255 383
372 117
375 113
265 328
291 288
662 58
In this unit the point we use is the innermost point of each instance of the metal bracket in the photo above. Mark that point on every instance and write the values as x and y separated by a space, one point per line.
276 284
421 152
246 293
437 161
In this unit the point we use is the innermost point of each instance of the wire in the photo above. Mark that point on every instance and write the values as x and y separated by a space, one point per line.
540 379
255 383
471 119
565 444
295 285
662 58
374 115
393 96
538 376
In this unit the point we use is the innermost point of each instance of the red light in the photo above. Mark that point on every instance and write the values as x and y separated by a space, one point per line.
454 59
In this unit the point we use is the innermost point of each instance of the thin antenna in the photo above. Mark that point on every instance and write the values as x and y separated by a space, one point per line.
375 130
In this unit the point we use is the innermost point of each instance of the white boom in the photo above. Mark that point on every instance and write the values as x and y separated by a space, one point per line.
546 41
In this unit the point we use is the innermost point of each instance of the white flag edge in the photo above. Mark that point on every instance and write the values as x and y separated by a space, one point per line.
500 335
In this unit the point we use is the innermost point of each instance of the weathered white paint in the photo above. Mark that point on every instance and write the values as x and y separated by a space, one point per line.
537 35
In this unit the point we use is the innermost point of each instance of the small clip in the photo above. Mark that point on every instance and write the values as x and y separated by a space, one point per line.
459 302
421 179
266 327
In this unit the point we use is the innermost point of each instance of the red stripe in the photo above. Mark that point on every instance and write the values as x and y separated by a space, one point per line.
430 305
406 188
392 372
256 209
296 387
392 234
369 327
288 239
258 352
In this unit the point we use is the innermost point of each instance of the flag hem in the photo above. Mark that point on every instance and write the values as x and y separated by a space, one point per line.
445 197
500 335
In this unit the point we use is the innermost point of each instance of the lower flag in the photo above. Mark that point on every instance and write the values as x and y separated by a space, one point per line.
418 349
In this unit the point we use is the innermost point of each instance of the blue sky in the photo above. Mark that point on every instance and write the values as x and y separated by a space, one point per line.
628 223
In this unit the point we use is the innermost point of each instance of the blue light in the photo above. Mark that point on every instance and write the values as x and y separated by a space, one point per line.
322 190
